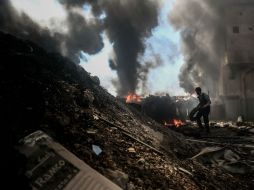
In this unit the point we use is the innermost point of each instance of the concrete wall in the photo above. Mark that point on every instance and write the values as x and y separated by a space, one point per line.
237 77
249 94
240 34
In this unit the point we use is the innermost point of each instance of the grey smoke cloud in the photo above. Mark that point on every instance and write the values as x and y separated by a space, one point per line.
82 35
127 24
146 68
23 26
202 27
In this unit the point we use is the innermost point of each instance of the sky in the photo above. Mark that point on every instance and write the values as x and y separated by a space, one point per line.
164 42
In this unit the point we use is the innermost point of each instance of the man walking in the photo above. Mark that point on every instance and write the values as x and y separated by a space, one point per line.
203 109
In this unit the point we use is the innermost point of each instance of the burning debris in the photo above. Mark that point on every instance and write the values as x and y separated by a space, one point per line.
160 108
133 98
174 122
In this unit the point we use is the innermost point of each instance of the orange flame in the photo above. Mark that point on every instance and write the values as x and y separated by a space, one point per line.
133 98
174 122
178 122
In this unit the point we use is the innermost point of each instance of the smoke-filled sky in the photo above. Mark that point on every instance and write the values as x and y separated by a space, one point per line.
143 46
129 44
161 60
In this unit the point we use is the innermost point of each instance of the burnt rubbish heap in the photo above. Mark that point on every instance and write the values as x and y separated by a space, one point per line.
160 108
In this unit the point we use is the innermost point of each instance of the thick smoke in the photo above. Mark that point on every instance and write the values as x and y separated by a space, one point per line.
202 27
22 26
82 35
127 23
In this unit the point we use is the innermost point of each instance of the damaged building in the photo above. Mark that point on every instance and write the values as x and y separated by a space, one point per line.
237 71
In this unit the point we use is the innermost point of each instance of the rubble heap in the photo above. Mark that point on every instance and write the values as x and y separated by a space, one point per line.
44 91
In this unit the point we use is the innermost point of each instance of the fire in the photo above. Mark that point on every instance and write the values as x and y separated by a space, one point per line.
174 122
133 98
177 122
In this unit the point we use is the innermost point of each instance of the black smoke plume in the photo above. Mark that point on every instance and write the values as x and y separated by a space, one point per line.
22 26
82 35
127 24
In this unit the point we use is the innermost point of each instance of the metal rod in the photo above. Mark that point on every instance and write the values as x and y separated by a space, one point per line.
130 136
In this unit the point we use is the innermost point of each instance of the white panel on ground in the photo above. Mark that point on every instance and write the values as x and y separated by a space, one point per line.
50 166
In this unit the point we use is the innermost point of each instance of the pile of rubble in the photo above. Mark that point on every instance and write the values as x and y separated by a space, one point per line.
42 91
229 145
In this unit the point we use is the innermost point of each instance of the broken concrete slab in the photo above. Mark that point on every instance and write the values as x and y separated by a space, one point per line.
226 159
